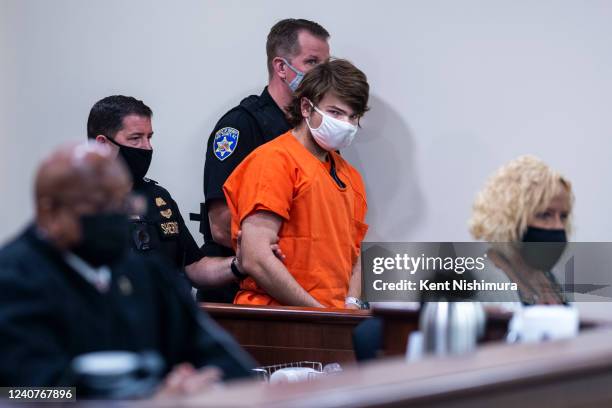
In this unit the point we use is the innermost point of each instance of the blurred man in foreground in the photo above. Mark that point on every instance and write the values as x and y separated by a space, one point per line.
69 287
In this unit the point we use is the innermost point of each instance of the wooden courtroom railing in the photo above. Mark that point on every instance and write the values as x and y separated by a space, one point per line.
283 334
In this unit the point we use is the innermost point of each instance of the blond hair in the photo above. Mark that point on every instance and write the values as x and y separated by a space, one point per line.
514 194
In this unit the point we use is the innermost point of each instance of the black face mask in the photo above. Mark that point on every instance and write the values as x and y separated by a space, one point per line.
137 160
104 238
542 248
534 234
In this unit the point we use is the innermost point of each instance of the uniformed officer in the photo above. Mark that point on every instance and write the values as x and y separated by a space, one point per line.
293 47
68 286
123 123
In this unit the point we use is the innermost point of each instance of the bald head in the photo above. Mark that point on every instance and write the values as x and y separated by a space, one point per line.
75 180
80 172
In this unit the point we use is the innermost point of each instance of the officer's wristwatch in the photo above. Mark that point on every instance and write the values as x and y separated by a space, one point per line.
234 267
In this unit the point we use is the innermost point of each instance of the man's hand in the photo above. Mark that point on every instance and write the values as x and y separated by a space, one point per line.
184 380
355 282
216 272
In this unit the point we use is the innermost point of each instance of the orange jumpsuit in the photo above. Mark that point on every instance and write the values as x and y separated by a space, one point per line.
323 223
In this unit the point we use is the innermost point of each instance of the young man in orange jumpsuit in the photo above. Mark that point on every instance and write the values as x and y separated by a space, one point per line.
299 190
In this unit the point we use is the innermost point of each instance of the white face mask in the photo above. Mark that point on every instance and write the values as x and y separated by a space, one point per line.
332 133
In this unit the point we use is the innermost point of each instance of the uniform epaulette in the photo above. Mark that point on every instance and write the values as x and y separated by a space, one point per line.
252 101
148 180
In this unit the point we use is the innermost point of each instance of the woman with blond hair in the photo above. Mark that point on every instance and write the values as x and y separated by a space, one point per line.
525 201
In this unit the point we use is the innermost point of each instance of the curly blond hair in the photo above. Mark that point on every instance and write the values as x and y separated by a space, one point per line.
515 193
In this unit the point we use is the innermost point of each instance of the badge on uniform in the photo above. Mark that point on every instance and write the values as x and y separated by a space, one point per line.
159 202
169 228
226 140
166 213
125 286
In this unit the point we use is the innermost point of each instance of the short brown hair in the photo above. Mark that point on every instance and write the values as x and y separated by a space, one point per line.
339 76
283 38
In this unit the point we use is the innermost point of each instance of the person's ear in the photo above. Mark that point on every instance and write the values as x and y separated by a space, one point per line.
280 67
305 107
101 139
49 217
44 210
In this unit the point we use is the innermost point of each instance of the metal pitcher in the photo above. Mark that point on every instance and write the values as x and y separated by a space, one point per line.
451 327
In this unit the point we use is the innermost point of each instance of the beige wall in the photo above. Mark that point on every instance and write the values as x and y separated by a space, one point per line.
458 88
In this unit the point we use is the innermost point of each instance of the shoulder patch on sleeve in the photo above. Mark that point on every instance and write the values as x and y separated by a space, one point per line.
225 142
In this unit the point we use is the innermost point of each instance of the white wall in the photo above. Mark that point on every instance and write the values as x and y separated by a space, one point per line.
458 88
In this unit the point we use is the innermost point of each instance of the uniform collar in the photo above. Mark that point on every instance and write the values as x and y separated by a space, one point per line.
266 98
